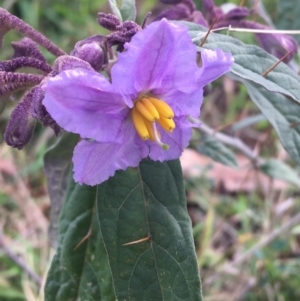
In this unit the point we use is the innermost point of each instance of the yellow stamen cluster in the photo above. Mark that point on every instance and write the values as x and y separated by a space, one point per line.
147 111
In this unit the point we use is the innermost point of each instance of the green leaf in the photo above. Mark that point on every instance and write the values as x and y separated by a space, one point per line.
149 202
279 170
127 9
216 150
123 9
114 8
79 269
247 121
272 94
57 164
250 63
280 112
288 12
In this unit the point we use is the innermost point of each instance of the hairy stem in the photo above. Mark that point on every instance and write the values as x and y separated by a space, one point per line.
10 21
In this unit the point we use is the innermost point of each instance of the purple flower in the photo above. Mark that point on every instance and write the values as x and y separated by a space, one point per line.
156 86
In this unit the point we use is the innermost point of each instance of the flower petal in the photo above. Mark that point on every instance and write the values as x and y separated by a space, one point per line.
161 57
177 141
95 162
84 102
184 104
214 64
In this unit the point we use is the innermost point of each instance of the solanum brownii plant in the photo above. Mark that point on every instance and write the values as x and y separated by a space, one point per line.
132 98
146 109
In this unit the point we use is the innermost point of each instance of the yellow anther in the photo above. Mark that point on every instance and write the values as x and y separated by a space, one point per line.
139 124
163 108
144 111
167 124
150 107
149 126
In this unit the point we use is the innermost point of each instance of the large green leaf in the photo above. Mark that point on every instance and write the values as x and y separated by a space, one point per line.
79 269
149 201
123 9
250 63
280 112
279 170
272 94
288 12
247 121
57 164
216 150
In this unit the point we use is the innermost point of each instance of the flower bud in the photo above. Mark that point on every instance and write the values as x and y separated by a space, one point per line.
68 62
278 45
125 31
26 47
39 111
198 18
235 13
21 124
177 12
92 50
108 21
64 62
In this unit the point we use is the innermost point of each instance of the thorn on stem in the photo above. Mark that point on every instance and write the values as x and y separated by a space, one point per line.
83 240
138 241
209 30
277 63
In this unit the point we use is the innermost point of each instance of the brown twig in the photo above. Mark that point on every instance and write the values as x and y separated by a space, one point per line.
208 32
277 63
232 141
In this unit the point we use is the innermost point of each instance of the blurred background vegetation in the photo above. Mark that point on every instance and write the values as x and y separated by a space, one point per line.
247 243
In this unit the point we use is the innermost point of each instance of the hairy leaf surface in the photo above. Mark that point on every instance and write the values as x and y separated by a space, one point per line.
277 94
125 10
279 170
149 203
281 113
251 62
79 269
216 150
57 165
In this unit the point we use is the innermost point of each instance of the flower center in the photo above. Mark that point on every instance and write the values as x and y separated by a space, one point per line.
148 111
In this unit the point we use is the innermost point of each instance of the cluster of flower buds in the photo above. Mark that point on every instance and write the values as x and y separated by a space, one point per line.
89 54
22 121
182 10
124 117
225 16
122 31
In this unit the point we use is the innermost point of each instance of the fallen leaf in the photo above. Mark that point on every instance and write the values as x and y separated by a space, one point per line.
244 178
